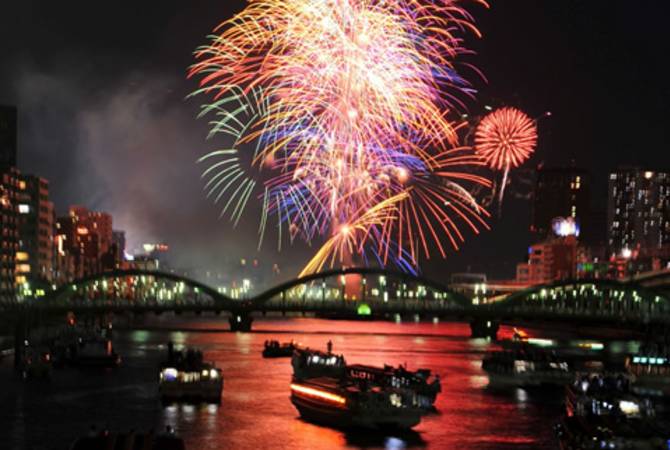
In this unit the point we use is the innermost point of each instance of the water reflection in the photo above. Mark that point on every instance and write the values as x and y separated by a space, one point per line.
256 411
395 441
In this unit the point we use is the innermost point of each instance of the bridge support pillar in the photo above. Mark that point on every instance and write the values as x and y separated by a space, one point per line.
240 322
484 328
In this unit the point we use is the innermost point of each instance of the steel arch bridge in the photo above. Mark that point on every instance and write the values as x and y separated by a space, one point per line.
587 300
330 291
357 291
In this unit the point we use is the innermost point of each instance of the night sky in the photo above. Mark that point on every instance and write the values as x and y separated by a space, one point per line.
101 92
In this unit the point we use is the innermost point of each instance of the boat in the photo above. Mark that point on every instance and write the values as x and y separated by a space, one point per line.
650 366
603 412
422 383
526 367
84 347
273 349
96 351
353 404
34 363
185 376
309 363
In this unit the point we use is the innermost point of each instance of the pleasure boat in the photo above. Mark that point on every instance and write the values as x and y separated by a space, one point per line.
422 383
650 366
526 367
185 376
309 363
353 403
603 412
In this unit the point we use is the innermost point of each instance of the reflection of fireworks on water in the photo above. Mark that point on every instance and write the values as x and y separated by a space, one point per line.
345 104
504 139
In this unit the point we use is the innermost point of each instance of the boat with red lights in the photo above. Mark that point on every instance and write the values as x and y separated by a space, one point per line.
354 403
422 384
186 376
96 352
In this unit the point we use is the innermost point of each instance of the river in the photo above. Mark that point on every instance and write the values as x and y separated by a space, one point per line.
255 412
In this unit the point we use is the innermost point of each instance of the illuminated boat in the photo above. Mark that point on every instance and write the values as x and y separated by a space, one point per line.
273 349
526 368
308 363
649 367
353 403
185 376
422 383
602 412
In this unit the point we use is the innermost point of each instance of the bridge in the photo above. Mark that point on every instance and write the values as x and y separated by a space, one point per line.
355 292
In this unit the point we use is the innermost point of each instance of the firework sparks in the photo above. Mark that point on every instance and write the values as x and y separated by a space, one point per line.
505 139
345 104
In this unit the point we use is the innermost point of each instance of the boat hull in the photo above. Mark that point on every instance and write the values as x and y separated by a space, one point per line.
175 391
320 413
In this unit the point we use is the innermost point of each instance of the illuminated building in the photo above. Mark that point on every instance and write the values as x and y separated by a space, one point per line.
9 183
560 192
87 236
34 258
97 223
638 213
157 252
548 261
8 133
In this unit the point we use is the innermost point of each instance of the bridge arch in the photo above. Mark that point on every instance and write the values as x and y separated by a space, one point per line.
444 293
609 298
144 287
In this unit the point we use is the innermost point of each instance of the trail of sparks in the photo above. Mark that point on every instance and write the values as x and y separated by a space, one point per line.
345 104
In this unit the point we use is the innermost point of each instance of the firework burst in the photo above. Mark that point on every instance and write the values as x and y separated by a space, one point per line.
345 105
505 139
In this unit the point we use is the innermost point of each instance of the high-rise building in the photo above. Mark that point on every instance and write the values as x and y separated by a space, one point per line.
99 223
8 139
9 184
34 258
87 236
638 212
119 244
561 192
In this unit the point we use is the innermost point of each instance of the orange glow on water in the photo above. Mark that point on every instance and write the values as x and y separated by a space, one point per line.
317 393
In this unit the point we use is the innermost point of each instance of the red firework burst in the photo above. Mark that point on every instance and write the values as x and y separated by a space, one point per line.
505 138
